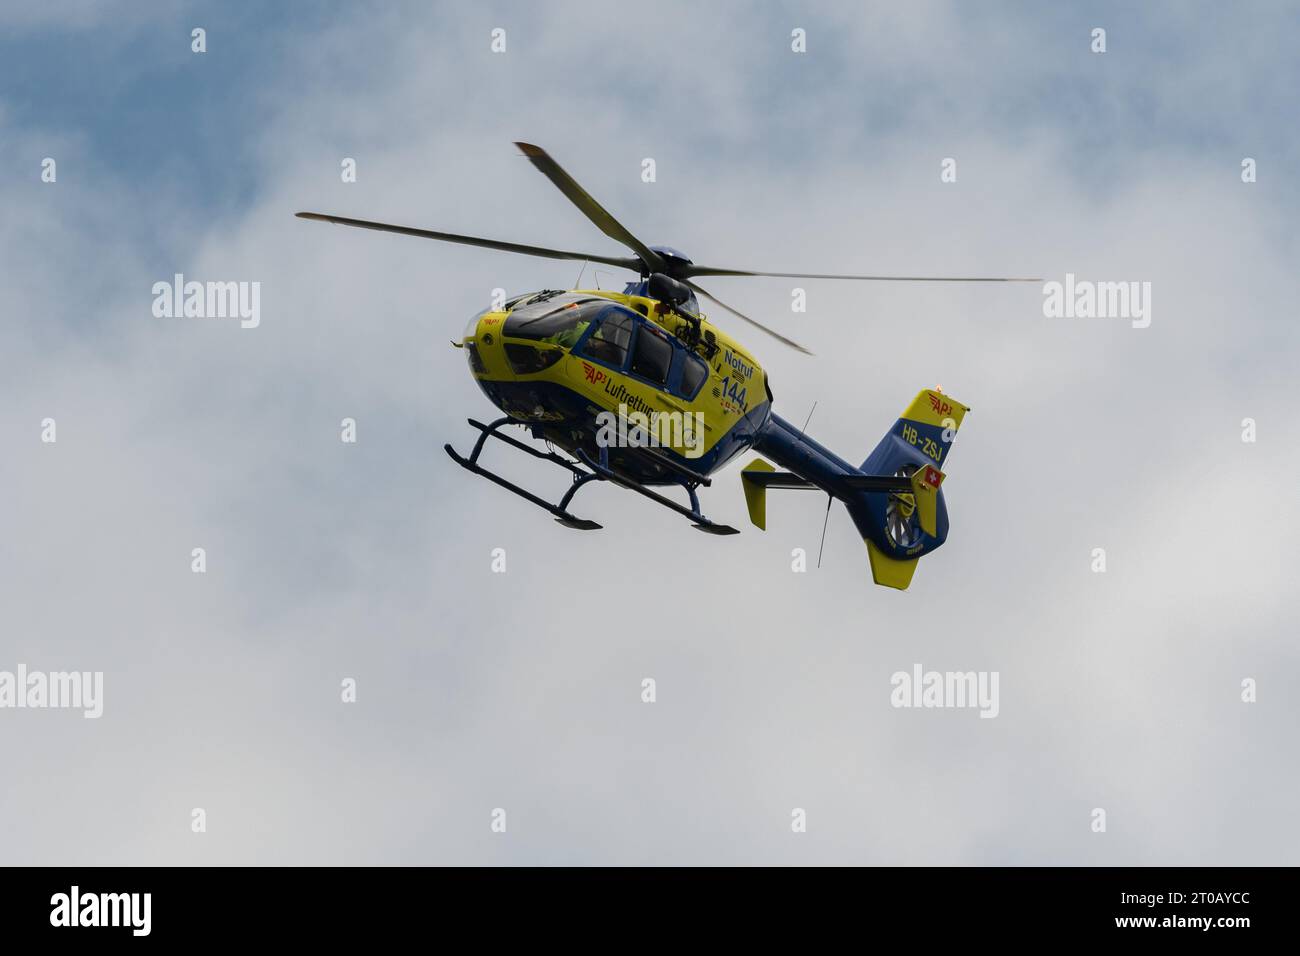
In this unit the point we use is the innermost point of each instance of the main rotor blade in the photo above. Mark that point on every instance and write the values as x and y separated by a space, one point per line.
741 315
694 270
590 208
625 262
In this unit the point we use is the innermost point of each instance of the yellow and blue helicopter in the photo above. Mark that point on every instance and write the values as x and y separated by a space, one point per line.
640 389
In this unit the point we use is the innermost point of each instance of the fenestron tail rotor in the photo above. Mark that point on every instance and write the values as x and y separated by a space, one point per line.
902 524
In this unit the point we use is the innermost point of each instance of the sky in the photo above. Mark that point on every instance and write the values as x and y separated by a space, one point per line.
521 691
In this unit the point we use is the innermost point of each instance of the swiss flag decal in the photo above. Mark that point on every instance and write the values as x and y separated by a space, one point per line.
933 476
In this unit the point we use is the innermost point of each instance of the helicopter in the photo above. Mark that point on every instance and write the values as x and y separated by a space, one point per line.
642 390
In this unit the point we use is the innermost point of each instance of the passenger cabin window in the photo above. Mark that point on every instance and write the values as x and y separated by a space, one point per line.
653 355
694 374
608 344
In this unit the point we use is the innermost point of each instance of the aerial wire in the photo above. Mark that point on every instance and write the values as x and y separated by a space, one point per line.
825 521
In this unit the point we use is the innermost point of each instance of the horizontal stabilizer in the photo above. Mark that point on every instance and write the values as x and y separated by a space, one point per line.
758 476
876 483
789 480
774 479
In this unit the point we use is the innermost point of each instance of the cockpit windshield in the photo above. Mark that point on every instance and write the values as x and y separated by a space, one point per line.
558 320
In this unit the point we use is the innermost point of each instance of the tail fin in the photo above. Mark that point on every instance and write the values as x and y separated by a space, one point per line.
916 447
923 434
894 498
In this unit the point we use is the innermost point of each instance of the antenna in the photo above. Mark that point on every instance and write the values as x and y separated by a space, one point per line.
804 430
577 283
825 521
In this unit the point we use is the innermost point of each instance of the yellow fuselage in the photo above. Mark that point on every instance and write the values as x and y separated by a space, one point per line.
711 404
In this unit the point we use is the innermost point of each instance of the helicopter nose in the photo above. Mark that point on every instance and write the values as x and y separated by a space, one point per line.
471 330
479 339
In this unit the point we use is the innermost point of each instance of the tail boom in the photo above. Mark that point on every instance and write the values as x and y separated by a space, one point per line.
894 498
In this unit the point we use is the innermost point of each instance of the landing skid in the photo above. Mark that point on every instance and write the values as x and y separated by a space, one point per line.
594 471
692 513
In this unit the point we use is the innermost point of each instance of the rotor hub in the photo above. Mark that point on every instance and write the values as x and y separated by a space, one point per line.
675 261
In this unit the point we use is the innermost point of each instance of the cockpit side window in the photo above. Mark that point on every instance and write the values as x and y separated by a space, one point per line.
609 342
694 373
